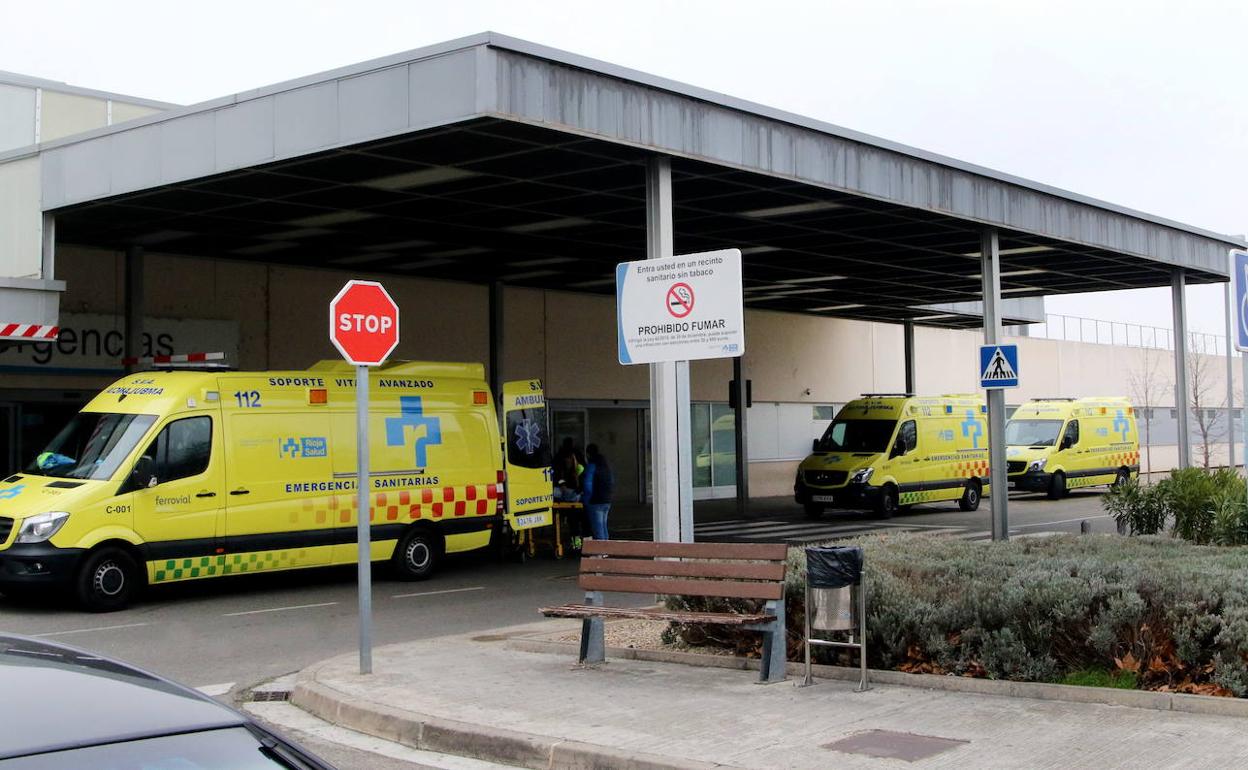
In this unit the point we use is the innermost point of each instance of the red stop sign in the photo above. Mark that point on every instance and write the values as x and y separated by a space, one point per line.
364 323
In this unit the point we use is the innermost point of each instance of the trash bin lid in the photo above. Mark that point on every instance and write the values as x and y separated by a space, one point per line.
833 566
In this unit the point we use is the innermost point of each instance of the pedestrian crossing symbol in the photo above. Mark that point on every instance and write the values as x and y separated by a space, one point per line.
998 366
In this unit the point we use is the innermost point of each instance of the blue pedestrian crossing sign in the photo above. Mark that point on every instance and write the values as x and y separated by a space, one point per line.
1239 286
998 366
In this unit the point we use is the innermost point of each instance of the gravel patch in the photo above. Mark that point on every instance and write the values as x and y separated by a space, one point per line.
641 635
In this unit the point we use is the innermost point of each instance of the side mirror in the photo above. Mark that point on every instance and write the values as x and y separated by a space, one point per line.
144 473
899 449
1066 443
814 445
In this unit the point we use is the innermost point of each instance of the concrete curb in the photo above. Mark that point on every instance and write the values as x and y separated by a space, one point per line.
447 736
1143 699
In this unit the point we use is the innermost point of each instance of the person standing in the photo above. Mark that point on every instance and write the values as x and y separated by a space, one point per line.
596 487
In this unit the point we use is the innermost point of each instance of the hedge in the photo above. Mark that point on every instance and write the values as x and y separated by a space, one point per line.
1039 609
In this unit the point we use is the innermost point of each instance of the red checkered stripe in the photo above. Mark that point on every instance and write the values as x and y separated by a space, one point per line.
37 332
972 469
1125 458
411 504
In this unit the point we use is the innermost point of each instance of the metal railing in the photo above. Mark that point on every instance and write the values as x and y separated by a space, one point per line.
1075 329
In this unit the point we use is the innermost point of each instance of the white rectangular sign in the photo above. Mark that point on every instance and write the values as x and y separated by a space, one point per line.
680 308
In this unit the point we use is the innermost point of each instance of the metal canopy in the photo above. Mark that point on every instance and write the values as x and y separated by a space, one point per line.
491 159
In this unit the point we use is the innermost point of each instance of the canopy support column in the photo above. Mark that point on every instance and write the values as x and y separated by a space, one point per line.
496 339
669 386
1178 303
908 334
135 303
1230 378
739 423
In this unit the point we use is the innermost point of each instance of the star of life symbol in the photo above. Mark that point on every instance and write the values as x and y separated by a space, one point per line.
528 436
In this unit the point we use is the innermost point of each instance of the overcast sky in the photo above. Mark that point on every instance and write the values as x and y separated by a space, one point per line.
1138 102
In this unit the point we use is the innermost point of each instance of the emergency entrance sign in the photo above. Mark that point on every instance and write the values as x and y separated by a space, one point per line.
680 308
998 366
364 323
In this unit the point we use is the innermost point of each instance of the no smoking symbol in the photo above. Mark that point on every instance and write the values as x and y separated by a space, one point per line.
680 300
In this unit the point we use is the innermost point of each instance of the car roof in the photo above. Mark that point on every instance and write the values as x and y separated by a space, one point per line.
61 697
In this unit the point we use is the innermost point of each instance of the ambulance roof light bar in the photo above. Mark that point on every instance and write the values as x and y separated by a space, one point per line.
179 361
884 395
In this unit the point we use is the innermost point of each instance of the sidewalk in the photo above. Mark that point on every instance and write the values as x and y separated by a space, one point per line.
483 696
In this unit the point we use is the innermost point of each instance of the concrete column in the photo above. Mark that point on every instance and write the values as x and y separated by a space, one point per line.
908 348
990 269
496 339
739 420
135 304
669 386
48 256
1230 378
1178 303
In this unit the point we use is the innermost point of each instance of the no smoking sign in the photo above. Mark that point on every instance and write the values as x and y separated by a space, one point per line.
680 300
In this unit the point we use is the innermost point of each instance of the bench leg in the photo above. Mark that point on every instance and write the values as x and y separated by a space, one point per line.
775 647
593 645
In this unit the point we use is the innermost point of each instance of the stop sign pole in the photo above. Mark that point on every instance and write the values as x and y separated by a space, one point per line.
364 326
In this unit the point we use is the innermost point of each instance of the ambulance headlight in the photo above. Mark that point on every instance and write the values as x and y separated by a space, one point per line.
862 476
1037 465
39 528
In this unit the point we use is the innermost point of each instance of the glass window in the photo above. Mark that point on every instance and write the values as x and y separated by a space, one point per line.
182 449
1032 432
723 446
1072 432
907 437
857 436
528 440
91 446
700 443
824 412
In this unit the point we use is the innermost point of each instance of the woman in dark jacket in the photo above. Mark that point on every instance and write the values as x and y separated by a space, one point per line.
597 484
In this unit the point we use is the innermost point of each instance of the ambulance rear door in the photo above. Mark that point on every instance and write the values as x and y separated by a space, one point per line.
526 455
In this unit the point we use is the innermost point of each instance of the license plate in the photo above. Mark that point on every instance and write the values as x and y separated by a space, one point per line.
531 520
823 498
1012 485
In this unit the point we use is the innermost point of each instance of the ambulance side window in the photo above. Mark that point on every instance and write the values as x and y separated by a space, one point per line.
907 439
182 449
1072 434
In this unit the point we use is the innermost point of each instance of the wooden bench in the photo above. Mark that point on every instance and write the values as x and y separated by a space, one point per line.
724 570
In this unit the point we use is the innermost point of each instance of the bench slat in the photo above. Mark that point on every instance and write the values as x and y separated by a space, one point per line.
645 548
717 588
713 618
703 569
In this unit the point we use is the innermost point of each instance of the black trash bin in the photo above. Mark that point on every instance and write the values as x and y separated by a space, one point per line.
836 602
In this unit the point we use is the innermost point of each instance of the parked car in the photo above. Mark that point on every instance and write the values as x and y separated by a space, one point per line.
68 709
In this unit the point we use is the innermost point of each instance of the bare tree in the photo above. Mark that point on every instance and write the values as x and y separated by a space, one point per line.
1206 409
1148 386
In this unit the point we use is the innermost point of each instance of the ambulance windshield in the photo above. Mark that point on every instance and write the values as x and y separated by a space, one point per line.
1032 432
857 436
91 446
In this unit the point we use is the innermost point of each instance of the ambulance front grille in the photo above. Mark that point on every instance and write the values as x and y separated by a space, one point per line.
1016 466
826 478
6 526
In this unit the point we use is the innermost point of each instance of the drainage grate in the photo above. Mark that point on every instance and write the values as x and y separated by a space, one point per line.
270 695
887 744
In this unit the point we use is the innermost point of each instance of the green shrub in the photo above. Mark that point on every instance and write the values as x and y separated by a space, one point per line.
1138 509
1202 507
1172 613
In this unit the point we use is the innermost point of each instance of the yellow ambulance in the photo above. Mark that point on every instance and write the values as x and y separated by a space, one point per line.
175 475
884 451
1057 444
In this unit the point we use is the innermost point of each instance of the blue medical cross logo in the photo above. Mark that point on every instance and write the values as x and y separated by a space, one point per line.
412 415
972 428
290 448
1122 425
11 492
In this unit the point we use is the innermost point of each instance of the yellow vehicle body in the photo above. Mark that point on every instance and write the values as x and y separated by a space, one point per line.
1055 445
192 474
883 452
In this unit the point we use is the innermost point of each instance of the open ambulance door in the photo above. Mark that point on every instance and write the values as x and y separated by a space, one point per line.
526 455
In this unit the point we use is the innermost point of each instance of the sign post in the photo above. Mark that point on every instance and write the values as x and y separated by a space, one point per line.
998 369
364 326
1239 311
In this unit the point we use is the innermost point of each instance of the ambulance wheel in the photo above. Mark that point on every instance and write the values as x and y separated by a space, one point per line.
1057 486
417 555
1122 479
107 580
888 505
813 510
970 497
